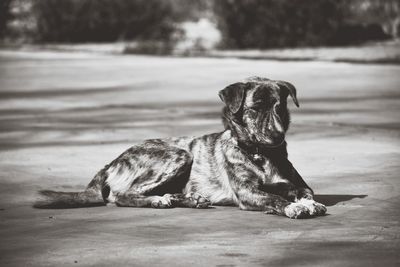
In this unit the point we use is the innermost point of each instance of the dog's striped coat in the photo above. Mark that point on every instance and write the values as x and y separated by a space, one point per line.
246 165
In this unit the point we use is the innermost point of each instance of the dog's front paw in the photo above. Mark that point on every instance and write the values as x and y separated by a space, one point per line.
320 209
195 200
163 202
297 211
314 208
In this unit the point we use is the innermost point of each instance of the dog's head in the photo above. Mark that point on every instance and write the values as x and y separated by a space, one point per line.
256 110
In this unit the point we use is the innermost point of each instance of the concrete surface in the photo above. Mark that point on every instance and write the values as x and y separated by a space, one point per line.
63 116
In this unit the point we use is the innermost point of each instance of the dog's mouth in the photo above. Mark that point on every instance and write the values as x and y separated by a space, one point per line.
276 144
268 136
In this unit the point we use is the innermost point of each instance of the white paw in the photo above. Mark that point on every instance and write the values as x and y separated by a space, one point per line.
315 208
296 211
320 209
304 208
161 202
198 201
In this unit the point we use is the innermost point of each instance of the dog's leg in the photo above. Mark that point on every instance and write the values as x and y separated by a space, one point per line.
151 169
152 175
288 190
251 197
192 200
300 196
254 199
274 204
295 189
304 195
134 200
284 189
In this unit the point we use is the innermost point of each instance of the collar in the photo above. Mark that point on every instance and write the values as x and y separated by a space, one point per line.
257 153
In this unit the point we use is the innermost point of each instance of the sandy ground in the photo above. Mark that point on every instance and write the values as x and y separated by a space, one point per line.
372 52
64 115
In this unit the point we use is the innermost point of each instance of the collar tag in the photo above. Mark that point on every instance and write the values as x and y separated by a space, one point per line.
257 157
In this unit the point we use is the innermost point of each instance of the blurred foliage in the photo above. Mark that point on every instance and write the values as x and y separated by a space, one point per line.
277 23
353 33
5 16
102 20
191 10
290 23
243 23
382 12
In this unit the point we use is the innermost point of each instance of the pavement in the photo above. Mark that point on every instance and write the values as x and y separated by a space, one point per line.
63 116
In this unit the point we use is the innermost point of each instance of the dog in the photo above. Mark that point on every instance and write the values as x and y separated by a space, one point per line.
246 165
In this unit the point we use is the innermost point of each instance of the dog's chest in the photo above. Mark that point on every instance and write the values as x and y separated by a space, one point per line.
269 172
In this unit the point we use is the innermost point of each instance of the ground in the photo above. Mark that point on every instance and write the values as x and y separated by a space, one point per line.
372 52
65 115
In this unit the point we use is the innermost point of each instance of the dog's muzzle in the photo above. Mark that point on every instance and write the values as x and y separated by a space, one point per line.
272 132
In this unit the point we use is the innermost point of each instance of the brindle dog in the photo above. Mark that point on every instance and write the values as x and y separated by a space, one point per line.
246 165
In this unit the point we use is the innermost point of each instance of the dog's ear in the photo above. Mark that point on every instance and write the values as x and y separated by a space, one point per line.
233 96
291 90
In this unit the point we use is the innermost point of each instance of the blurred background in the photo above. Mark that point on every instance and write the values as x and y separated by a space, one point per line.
83 80
183 27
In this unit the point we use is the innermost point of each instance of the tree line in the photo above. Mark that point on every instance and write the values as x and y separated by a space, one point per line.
243 23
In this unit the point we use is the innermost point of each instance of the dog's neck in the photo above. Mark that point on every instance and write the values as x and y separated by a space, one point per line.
258 153
255 148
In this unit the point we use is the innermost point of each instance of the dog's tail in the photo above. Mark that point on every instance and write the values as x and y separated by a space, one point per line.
92 196
64 200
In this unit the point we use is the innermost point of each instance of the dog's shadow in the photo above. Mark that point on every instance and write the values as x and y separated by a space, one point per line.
332 200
